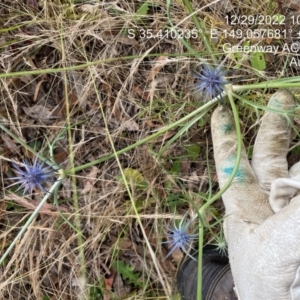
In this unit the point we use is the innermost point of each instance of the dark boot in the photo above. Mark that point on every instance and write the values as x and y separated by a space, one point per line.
217 281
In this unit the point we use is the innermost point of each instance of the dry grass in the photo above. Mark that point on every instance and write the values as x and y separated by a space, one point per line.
126 100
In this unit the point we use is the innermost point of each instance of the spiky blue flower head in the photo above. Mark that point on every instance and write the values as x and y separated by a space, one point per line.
180 237
33 176
210 81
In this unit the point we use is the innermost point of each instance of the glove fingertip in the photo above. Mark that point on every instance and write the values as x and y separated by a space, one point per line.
222 121
272 141
225 148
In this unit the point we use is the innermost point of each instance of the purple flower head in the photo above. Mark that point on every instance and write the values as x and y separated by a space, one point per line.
33 176
210 82
180 237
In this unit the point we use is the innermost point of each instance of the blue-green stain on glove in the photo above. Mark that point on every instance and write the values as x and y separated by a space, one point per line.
275 102
226 128
228 171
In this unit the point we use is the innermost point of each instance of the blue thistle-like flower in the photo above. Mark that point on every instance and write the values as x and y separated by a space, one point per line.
180 237
210 81
33 176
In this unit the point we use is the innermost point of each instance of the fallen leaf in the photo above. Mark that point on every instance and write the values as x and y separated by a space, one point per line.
32 3
119 287
60 155
109 279
47 209
124 243
91 9
153 125
123 122
90 180
10 144
40 112
72 102
37 89
130 125
160 62
144 95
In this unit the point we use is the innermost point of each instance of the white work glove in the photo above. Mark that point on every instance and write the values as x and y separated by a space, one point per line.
262 223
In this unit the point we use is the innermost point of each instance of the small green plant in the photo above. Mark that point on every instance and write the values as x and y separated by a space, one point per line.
127 272
95 293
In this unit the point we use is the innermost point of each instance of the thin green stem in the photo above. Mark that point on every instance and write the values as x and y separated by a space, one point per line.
145 140
22 143
200 255
115 155
204 38
75 196
267 85
203 209
173 28
290 112
40 156
185 128
89 64
72 173
63 216
29 221
201 234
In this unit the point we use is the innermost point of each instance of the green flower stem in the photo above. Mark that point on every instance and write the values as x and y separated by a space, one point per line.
63 216
268 84
112 155
22 143
40 156
145 140
89 64
291 112
203 209
29 221
76 67
200 254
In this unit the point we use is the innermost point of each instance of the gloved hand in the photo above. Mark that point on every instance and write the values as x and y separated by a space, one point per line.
262 223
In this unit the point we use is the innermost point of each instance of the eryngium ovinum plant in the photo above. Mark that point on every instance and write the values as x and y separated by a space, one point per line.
213 87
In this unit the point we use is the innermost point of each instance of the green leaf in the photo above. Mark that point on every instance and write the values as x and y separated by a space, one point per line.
127 272
202 122
250 152
95 293
176 167
193 151
142 10
257 60
174 200
133 175
134 178
296 150
36 145
141 204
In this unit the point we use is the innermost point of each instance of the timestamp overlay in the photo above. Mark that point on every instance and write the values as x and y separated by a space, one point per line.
163 33
276 34
261 34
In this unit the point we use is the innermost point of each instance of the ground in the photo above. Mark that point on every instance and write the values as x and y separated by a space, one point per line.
106 92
